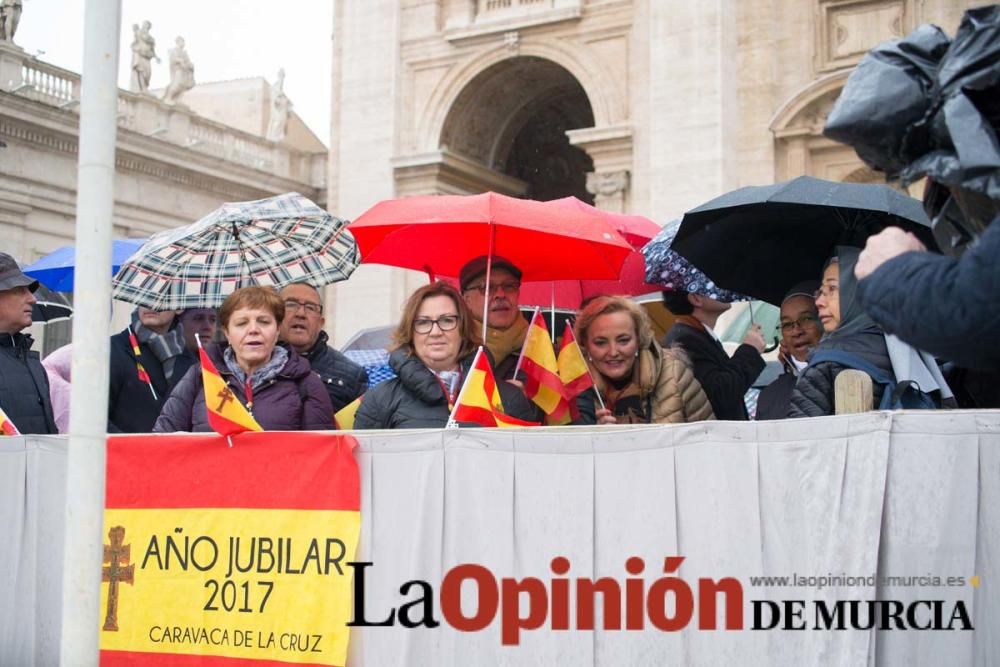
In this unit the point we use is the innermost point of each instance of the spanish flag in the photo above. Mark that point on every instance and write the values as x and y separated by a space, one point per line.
479 399
538 361
573 369
226 414
6 425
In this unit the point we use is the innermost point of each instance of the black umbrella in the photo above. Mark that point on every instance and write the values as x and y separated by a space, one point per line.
50 306
761 240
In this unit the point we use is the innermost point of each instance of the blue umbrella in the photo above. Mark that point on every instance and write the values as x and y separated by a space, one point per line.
55 270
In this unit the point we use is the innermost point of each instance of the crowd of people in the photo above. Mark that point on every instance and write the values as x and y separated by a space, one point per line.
923 326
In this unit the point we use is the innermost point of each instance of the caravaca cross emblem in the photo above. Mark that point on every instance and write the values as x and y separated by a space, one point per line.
116 555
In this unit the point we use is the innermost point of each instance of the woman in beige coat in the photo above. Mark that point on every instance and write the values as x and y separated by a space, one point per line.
639 382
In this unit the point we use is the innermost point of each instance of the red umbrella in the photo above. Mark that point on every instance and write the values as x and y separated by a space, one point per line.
439 234
636 229
567 294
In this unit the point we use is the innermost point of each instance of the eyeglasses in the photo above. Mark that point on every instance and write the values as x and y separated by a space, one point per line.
826 291
508 287
293 305
445 323
802 322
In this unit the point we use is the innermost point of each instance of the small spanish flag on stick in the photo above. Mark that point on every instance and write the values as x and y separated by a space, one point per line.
542 384
6 425
479 399
143 375
226 415
573 370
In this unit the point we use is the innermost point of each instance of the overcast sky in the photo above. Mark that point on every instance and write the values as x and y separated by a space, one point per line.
226 39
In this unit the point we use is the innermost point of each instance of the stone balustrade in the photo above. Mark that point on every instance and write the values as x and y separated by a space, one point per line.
147 115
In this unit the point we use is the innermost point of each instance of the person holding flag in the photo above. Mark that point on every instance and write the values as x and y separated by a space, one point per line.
252 382
435 346
635 380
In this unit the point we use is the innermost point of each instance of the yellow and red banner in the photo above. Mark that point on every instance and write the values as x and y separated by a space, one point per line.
226 415
479 400
219 555
542 384
573 369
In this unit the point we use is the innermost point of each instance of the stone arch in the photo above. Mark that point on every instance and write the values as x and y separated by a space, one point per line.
606 96
799 145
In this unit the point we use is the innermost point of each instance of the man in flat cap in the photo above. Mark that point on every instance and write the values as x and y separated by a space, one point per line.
506 326
24 386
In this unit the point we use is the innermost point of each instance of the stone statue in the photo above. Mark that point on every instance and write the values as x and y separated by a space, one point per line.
280 106
181 73
10 16
143 51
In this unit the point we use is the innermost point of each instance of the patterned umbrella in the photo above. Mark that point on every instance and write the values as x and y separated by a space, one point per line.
274 241
665 267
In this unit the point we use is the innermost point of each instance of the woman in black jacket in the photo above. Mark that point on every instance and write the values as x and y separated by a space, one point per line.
848 329
435 344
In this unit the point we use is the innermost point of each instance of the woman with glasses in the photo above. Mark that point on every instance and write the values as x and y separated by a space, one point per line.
800 333
434 346
638 381
268 377
848 329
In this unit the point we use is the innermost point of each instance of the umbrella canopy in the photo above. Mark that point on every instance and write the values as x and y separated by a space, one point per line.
636 229
50 306
439 234
761 240
273 241
568 294
666 268
56 269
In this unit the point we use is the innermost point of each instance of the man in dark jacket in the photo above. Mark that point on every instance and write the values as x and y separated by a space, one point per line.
800 333
302 328
506 326
725 379
24 386
147 360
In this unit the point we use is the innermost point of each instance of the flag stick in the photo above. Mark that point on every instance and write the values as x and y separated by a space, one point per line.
486 293
553 313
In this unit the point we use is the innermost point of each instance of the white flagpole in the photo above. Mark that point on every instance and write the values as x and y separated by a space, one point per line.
461 392
520 357
83 548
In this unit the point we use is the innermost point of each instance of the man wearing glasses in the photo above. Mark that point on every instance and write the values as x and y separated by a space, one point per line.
302 328
800 333
506 326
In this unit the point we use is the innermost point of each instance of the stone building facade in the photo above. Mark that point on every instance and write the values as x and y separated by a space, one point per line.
173 165
646 106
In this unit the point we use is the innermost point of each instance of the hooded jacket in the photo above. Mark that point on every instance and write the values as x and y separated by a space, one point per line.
813 395
415 399
668 390
292 399
24 386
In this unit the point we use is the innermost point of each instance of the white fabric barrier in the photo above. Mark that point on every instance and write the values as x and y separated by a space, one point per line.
903 495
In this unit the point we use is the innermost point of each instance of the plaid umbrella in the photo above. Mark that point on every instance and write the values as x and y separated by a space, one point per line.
276 241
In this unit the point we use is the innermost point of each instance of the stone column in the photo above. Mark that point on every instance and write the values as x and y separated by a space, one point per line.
610 190
11 58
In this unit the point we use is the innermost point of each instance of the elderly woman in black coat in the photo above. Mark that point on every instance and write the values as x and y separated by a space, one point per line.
434 346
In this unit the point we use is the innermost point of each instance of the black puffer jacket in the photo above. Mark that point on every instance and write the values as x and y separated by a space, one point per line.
24 386
813 395
415 399
344 380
